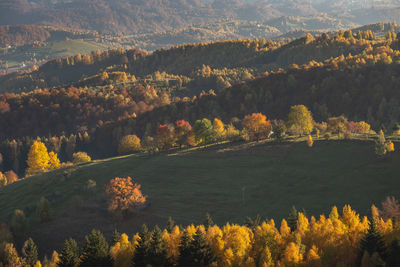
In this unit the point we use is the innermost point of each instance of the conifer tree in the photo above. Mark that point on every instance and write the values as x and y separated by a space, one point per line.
184 250
30 252
69 256
292 219
195 252
170 225
10 257
373 242
116 236
157 255
95 251
208 222
142 249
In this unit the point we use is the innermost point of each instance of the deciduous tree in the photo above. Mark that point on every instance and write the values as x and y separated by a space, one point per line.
129 144
124 195
38 158
300 117
257 126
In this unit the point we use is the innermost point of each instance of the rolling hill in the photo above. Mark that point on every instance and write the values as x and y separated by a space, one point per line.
229 181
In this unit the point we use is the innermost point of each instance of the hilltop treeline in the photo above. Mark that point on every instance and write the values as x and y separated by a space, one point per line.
260 54
22 34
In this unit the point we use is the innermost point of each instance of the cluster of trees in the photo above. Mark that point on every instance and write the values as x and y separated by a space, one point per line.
22 34
344 239
72 110
8 177
164 136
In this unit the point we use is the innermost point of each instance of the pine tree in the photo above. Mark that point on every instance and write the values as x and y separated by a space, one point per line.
157 255
95 252
292 219
373 242
142 249
116 236
170 224
30 252
69 256
208 222
195 252
184 250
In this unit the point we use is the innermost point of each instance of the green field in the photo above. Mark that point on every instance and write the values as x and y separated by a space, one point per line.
51 50
229 182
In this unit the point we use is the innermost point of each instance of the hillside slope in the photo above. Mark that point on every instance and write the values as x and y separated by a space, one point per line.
229 181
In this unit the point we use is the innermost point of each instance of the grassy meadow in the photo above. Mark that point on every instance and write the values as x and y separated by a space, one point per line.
229 181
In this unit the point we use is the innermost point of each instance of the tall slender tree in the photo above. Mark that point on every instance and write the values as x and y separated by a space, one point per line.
69 256
95 251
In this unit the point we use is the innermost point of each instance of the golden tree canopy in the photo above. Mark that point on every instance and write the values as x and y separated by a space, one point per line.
301 118
129 144
54 161
38 158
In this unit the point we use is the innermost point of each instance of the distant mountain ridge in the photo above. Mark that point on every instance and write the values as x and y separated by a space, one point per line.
147 16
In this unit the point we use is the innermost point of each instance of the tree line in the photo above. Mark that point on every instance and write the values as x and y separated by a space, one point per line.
339 239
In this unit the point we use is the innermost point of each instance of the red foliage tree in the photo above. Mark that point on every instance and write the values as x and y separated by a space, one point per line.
165 136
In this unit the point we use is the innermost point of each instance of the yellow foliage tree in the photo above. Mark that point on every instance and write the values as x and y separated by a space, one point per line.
173 240
37 264
300 118
3 179
389 146
292 255
219 128
363 127
310 141
129 144
122 252
54 161
80 157
313 259
38 158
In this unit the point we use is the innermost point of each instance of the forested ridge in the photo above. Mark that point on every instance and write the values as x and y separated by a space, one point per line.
181 84
265 55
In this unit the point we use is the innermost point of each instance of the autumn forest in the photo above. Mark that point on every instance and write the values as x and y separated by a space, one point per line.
268 136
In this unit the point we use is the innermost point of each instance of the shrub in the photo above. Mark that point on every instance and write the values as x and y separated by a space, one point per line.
43 210
129 144
80 157
18 222
327 136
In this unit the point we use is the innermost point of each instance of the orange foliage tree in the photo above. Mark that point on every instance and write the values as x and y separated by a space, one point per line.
184 133
257 126
124 195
